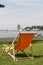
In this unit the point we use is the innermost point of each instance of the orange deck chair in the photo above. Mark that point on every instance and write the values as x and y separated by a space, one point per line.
23 42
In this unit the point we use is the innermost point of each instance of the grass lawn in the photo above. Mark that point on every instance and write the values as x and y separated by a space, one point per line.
37 45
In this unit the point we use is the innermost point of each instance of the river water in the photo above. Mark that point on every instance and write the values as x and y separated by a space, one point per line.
9 34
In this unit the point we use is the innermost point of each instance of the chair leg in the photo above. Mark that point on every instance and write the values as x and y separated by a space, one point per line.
31 50
6 49
24 52
12 56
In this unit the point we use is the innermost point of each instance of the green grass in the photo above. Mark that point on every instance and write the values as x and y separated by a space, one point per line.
37 45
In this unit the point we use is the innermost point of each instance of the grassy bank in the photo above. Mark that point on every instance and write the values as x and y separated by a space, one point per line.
37 45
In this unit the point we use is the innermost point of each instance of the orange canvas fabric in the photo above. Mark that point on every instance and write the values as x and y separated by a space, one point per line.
24 40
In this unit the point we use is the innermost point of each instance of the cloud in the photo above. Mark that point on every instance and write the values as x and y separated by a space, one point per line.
2 12
10 0
6 11
26 2
23 0
27 15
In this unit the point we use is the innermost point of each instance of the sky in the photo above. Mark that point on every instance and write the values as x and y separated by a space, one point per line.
23 12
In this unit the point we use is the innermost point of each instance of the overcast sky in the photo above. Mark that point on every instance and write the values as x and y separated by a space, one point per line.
23 12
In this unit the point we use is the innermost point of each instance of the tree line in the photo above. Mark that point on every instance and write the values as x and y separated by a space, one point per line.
34 28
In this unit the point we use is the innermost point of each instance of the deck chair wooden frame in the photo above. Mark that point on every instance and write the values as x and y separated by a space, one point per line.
24 40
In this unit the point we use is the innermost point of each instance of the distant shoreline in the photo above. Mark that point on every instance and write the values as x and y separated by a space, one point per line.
6 39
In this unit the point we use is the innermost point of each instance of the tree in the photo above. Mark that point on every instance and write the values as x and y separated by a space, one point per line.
41 27
2 5
34 27
27 28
